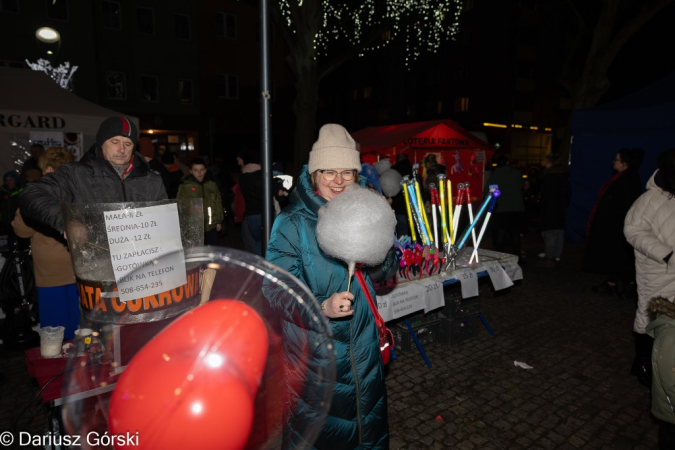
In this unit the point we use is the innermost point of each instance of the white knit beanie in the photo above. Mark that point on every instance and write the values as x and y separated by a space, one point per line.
335 149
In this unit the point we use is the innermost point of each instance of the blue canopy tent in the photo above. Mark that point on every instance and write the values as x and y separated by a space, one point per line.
645 119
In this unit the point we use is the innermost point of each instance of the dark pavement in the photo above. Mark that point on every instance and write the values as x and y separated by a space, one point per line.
579 393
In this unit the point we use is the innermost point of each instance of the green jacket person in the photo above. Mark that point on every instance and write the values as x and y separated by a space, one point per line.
198 185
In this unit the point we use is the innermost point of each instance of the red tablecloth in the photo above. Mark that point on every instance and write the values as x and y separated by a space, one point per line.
81 374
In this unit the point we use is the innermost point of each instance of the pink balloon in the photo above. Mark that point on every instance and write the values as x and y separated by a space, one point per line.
194 384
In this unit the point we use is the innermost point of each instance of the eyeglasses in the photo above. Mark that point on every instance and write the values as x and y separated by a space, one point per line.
330 175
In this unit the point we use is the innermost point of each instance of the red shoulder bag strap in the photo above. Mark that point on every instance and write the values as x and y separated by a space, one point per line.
386 339
364 287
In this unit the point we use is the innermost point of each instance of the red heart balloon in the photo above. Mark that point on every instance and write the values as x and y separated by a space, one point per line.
193 385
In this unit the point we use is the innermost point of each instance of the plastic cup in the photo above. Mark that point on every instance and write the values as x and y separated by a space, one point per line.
82 339
51 341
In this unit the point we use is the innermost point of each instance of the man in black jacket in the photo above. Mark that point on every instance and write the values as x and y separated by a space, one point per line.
110 172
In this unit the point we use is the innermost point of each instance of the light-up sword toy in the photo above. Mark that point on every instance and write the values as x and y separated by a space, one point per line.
454 251
470 209
495 194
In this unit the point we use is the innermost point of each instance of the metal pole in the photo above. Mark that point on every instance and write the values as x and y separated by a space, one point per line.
265 124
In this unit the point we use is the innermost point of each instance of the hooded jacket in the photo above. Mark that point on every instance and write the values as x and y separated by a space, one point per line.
650 228
208 190
358 412
662 329
90 180
607 250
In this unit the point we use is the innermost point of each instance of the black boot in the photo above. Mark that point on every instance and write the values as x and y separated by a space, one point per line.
642 364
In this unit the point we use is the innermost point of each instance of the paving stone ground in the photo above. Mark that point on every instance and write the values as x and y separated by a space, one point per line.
579 394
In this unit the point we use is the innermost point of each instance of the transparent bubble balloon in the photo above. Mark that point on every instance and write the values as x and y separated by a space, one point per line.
248 364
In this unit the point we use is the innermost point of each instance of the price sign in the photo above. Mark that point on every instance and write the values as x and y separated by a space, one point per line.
433 294
145 250
513 270
384 306
403 300
469 281
500 280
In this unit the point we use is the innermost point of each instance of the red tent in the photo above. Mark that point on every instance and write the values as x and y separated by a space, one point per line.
463 154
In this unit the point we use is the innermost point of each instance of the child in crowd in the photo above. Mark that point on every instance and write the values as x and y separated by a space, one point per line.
198 185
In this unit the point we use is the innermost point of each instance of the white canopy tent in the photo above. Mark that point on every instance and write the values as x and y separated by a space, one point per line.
34 108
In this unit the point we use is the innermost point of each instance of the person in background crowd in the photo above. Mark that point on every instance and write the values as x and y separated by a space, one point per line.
508 216
32 162
398 203
110 172
175 173
251 185
554 199
358 413
220 173
146 149
531 201
58 300
662 329
607 250
650 228
372 177
199 185
33 175
9 200
183 168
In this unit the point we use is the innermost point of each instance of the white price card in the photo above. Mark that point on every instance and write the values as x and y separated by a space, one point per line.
402 301
512 269
500 280
469 281
433 294
384 306
145 250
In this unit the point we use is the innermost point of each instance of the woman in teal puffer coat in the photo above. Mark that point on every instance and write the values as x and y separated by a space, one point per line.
358 412
197 185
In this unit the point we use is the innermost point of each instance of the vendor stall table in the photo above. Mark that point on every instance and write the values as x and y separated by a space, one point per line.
428 294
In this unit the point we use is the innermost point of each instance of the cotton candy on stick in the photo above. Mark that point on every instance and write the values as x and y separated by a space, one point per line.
356 226
390 181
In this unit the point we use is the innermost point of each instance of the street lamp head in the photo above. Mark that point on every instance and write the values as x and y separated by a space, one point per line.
48 35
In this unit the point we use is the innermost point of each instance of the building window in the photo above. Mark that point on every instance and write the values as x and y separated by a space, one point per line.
439 107
116 85
227 86
185 95
111 15
182 24
9 6
146 20
461 104
226 25
149 88
57 10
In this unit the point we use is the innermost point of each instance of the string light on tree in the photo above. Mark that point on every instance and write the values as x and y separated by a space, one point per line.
354 23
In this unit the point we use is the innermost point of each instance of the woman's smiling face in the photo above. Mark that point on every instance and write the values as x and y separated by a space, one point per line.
331 189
